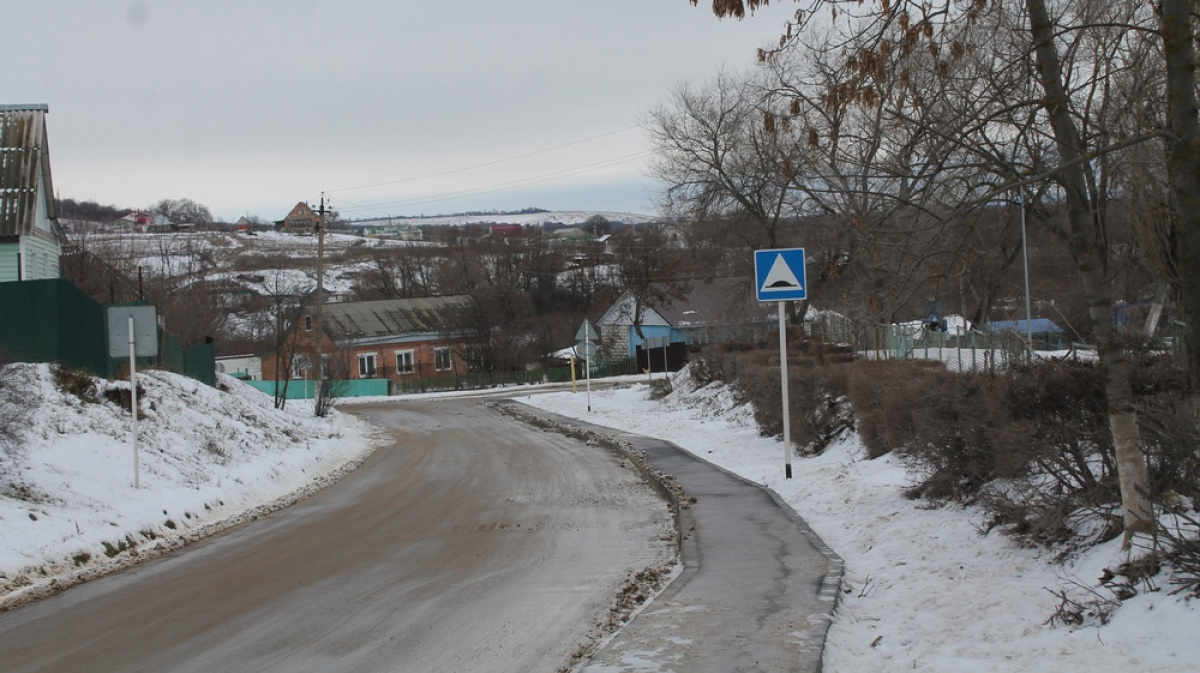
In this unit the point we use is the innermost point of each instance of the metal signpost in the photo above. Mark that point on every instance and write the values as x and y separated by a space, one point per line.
586 348
137 328
779 277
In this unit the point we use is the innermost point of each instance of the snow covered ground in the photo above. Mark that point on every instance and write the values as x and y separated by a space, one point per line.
208 460
924 591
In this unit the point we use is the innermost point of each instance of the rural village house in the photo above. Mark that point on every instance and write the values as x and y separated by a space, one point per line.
301 220
719 310
393 339
30 238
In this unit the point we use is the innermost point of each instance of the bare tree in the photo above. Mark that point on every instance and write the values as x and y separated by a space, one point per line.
284 310
648 270
719 162
968 72
184 211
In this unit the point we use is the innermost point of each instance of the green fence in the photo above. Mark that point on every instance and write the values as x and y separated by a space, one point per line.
53 321
381 387
482 381
303 390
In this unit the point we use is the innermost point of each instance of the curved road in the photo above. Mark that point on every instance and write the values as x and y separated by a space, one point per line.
473 543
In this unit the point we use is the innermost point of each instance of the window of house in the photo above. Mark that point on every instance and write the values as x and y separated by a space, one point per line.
366 366
404 362
442 360
300 366
308 323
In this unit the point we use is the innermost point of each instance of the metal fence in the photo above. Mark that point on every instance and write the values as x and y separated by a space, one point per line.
53 321
404 385
484 380
966 351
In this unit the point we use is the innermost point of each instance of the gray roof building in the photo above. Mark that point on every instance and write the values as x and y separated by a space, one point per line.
386 319
30 238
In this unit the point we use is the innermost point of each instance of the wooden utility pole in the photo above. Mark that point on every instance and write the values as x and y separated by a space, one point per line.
318 364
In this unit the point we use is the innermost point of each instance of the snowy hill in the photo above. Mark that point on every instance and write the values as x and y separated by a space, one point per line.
564 217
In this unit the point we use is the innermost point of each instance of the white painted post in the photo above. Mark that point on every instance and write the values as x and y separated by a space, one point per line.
783 379
137 482
587 361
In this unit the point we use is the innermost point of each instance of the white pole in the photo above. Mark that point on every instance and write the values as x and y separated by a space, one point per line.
783 379
137 482
587 360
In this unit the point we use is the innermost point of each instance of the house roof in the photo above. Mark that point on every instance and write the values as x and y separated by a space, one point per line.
387 317
720 301
24 165
572 233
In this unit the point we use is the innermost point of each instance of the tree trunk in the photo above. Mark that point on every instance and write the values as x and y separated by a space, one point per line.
1184 167
1087 246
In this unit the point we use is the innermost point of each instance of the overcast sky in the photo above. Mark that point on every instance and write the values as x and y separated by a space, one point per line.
390 107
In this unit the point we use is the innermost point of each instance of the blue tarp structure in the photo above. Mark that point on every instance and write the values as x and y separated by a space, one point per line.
1045 333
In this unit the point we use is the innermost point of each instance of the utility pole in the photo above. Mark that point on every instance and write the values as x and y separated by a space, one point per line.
319 374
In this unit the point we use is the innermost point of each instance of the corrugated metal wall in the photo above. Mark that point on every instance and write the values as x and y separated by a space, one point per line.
53 321
21 138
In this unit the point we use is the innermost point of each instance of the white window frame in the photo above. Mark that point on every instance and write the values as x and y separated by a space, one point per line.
407 365
438 354
308 323
365 372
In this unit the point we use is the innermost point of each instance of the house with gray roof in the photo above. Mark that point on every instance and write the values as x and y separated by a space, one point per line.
393 339
30 238
706 311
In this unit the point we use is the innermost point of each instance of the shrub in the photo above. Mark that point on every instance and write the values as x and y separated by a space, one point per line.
76 382
885 395
819 408
961 436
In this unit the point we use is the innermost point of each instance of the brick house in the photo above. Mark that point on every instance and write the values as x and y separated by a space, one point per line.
395 339
301 220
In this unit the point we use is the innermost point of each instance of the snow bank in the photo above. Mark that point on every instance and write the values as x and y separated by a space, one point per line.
924 589
209 459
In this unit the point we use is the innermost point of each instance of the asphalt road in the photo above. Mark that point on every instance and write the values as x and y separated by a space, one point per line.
756 591
471 544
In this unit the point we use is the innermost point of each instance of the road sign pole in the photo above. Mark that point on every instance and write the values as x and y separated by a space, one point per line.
783 380
137 481
587 362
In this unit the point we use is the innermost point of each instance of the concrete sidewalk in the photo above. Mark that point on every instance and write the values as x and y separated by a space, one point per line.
757 588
